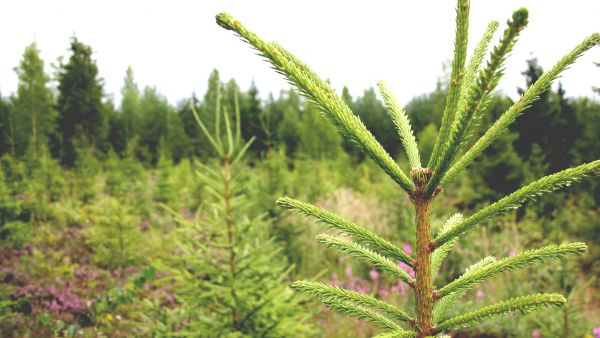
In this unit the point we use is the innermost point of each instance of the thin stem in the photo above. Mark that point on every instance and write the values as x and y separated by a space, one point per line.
566 320
231 237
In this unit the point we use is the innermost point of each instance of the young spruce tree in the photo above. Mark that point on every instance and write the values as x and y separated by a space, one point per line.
230 283
469 94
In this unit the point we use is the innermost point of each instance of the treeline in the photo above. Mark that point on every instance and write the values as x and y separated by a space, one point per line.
76 114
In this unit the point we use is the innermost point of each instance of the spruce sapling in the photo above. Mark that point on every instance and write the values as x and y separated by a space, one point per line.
229 282
469 94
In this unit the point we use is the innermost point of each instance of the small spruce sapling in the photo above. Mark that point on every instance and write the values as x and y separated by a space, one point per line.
230 280
469 94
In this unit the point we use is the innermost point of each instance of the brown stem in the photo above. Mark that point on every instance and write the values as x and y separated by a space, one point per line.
423 285
231 241
566 320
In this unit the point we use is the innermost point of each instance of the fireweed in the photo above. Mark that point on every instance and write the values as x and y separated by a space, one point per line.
469 94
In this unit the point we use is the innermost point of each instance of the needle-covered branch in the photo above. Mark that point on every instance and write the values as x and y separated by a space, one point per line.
357 251
456 77
402 124
397 334
360 312
523 259
359 234
333 107
328 293
438 256
532 94
515 200
469 89
522 305
489 77
442 306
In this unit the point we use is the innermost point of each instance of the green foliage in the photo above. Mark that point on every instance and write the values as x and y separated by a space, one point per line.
359 234
115 236
230 279
532 94
402 126
456 80
147 174
468 95
521 305
321 93
363 254
513 201
317 140
476 275
130 106
81 113
331 294
33 107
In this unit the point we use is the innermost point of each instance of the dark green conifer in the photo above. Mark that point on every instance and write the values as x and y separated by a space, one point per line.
81 115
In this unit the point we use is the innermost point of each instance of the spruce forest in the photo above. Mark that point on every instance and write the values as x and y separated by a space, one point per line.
305 213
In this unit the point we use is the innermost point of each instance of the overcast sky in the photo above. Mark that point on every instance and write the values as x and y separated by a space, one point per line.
174 45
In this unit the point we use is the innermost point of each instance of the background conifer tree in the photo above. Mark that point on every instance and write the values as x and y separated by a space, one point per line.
597 89
456 147
130 107
33 106
81 114
6 127
316 140
252 110
154 123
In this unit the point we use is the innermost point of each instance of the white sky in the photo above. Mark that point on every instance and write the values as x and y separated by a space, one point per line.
174 45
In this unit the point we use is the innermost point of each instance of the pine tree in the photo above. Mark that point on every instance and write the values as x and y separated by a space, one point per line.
469 94
81 115
33 107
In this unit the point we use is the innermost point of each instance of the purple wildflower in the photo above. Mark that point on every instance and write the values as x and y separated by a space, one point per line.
407 248
374 274
407 268
363 289
144 225
348 271
383 292
334 279
399 287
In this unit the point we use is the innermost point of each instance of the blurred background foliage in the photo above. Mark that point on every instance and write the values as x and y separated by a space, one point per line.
105 224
